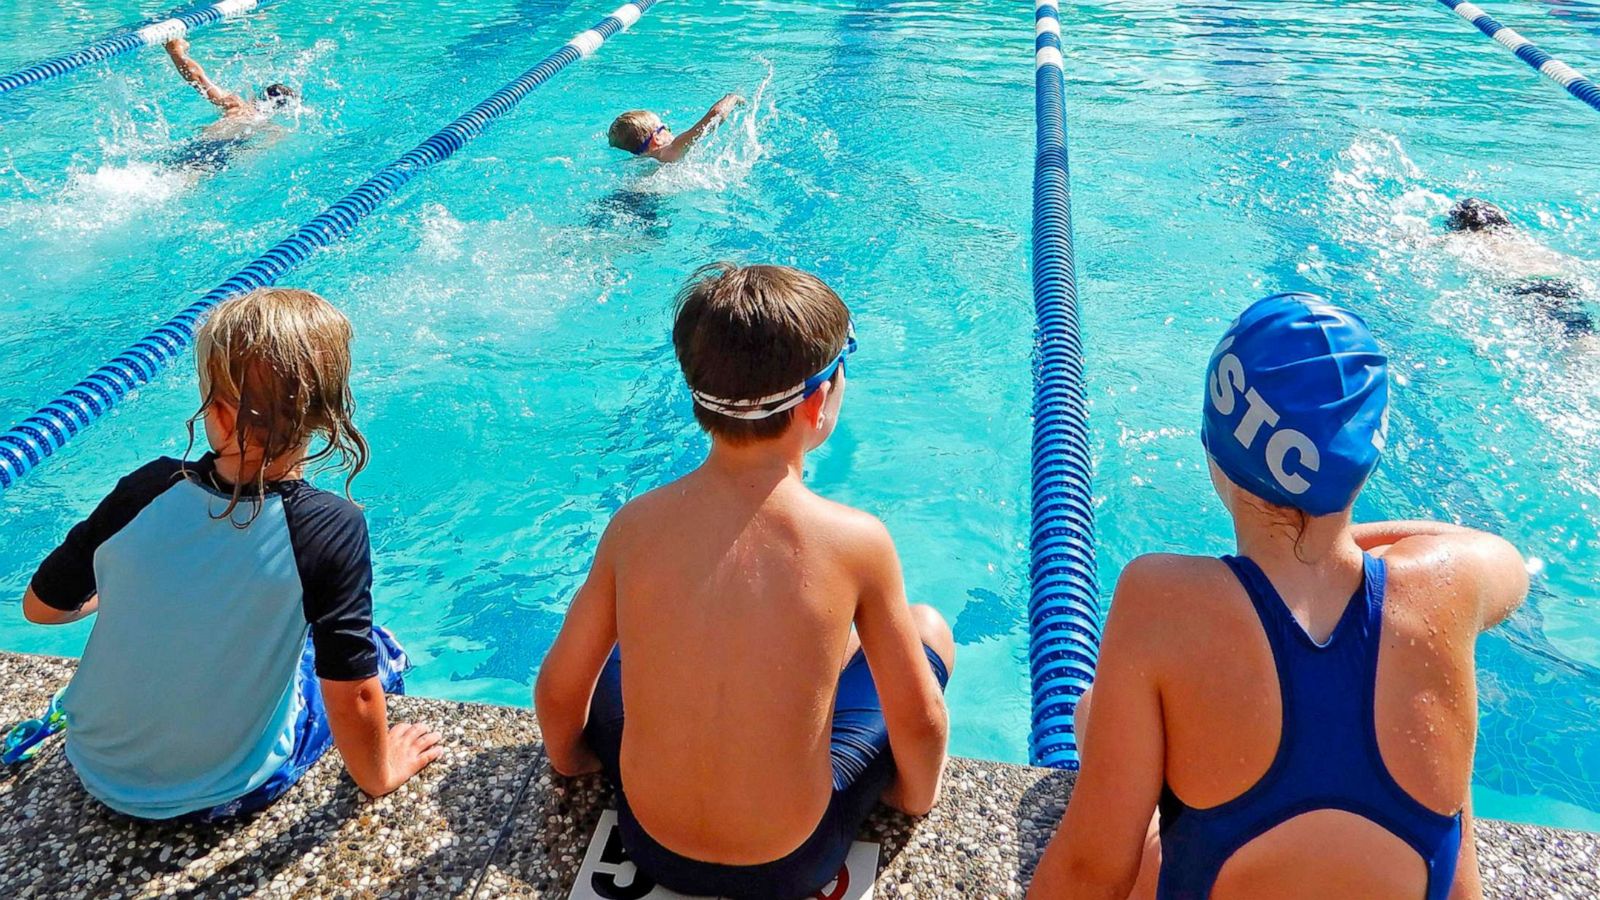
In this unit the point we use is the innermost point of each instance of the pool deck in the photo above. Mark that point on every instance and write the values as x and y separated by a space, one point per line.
433 836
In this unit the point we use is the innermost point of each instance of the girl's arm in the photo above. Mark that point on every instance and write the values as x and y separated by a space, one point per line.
1377 536
1490 566
41 613
379 758
1097 850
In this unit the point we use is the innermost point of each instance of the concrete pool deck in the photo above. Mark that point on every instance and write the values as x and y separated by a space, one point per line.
433 836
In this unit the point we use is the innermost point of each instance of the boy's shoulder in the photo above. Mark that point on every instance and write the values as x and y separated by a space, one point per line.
847 524
855 526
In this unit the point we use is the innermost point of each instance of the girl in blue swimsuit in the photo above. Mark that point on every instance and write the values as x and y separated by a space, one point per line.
1299 716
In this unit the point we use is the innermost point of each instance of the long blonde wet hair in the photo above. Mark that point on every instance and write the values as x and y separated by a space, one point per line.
281 358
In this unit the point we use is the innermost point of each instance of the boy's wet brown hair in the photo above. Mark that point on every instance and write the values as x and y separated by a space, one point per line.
631 130
281 357
752 331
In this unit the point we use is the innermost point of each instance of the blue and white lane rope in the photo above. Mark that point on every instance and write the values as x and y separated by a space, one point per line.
57 422
159 31
1064 608
1548 66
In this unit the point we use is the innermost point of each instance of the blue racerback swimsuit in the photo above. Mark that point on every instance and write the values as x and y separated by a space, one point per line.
1327 756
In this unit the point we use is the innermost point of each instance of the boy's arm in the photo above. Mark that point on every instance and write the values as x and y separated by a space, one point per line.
684 142
1097 850
227 101
572 667
1489 568
379 758
913 707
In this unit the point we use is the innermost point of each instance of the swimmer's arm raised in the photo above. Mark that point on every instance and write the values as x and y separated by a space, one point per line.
913 708
1097 851
227 101
684 142
572 667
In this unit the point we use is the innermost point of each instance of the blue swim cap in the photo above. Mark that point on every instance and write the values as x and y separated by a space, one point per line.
1297 403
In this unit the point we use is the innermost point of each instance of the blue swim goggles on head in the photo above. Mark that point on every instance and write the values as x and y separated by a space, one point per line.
649 140
783 401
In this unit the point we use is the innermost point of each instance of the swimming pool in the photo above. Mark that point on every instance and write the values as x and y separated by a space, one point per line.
512 305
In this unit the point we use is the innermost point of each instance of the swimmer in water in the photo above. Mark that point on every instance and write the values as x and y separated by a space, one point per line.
642 132
243 120
1535 271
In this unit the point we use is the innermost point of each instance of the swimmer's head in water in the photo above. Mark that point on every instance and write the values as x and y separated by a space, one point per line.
1473 214
639 131
1297 403
279 96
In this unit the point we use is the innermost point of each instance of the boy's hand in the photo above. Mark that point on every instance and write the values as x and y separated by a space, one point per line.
894 798
727 105
177 45
411 748
582 761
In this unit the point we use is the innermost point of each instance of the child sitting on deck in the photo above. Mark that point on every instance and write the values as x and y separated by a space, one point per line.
1299 716
642 132
719 613
197 694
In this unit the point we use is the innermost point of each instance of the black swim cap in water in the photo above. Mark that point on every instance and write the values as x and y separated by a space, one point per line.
1473 214
280 95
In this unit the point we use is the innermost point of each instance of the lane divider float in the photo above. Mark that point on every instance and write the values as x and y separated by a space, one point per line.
1064 603
151 34
1554 69
40 435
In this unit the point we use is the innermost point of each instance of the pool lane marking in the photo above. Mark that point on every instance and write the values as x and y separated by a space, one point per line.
1047 35
167 29
53 425
1554 69
175 25
1064 594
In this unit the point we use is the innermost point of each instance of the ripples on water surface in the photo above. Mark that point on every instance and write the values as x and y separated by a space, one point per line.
512 306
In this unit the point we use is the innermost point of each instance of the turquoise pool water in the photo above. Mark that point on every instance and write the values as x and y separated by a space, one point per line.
512 306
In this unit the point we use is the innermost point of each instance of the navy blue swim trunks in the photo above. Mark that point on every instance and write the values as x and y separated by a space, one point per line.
862 769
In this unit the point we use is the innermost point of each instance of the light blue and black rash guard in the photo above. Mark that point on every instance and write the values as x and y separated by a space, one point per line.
185 697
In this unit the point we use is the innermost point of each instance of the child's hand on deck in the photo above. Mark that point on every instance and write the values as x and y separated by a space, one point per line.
411 748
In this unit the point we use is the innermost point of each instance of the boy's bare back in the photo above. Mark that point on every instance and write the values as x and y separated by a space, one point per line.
735 598
708 665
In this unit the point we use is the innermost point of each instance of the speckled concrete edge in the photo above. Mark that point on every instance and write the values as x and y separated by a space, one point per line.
431 838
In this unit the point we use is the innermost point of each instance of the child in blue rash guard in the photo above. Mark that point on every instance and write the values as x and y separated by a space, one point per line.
199 694
719 612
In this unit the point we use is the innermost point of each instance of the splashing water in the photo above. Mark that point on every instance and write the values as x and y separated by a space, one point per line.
724 158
